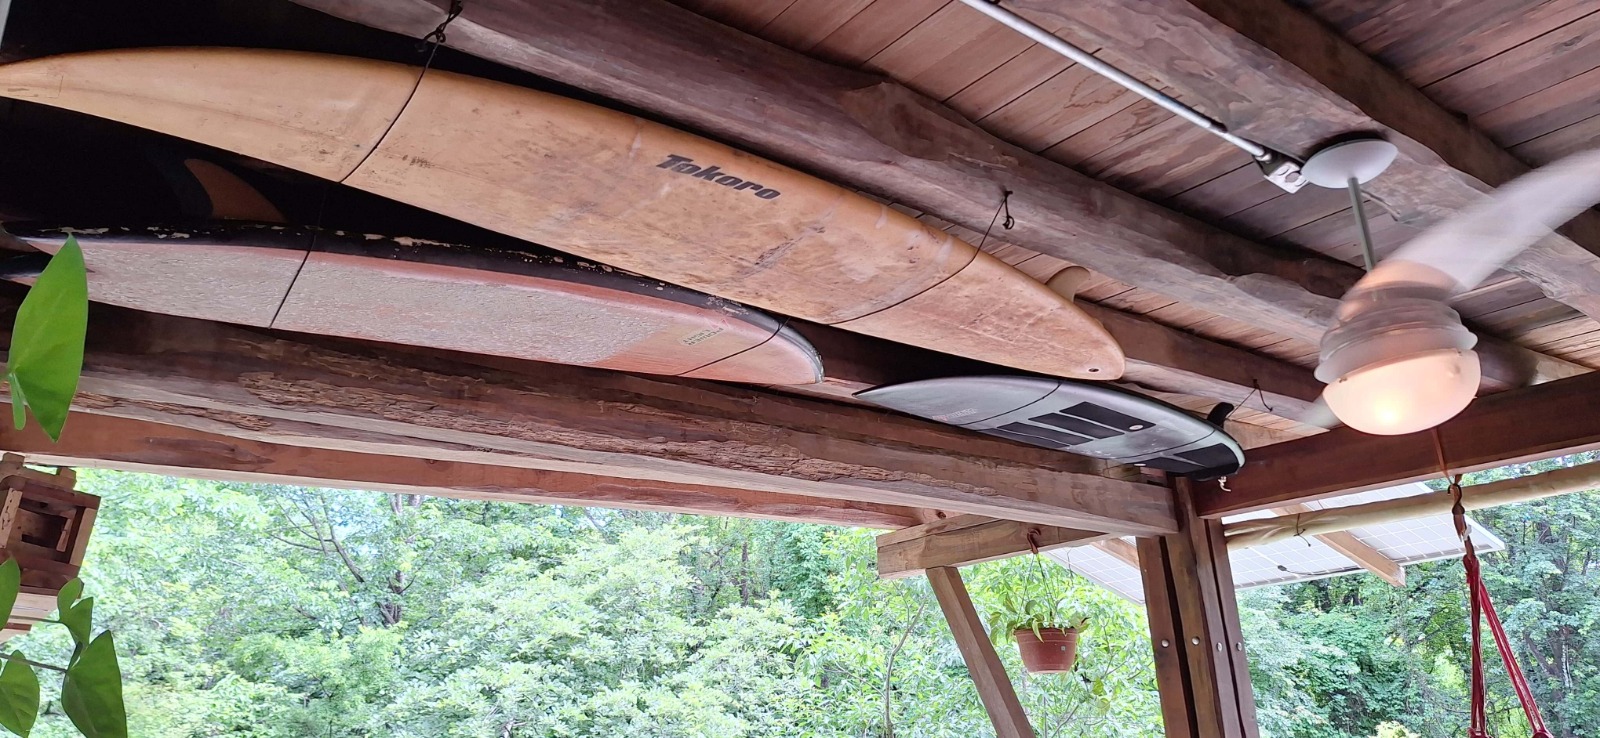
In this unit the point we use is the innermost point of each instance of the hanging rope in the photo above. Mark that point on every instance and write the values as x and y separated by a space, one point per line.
1044 581
1480 607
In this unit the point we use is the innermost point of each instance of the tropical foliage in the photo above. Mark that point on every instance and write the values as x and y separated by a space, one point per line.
90 693
275 612
47 338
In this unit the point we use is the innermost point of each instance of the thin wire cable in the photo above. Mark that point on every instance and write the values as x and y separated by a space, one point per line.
1005 206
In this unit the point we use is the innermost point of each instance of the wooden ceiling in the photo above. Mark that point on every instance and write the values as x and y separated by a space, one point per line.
1475 90
1525 72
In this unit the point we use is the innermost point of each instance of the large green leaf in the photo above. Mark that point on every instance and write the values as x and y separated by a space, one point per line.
46 354
79 619
19 697
69 594
91 693
10 584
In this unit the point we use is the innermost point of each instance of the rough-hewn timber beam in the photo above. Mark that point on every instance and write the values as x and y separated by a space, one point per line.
134 445
1534 423
545 416
968 539
1159 358
1354 549
1333 520
1273 73
874 134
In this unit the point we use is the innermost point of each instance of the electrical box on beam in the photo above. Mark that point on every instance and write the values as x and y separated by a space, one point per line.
44 526
1081 418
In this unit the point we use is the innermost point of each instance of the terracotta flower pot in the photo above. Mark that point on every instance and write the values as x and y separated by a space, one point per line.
1052 651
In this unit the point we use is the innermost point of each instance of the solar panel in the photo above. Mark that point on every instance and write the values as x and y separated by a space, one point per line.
1305 558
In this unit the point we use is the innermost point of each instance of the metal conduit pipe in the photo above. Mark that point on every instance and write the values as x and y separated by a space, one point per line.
1280 169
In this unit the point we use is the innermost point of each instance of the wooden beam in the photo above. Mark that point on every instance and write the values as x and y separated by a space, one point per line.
983 664
968 539
1159 359
135 445
1333 520
1354 549
1201 669
1166 639
1166 360
873 134
1124 551
1534 423
1275 74
357 397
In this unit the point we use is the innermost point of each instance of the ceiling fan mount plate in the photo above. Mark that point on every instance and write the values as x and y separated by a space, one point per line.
1361 159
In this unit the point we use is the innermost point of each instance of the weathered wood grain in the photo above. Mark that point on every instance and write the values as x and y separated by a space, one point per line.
560 418
869 132
126 444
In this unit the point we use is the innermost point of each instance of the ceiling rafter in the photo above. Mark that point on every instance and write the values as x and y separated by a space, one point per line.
1275 74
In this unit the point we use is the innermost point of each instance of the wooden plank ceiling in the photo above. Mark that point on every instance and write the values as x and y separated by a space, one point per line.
1525 72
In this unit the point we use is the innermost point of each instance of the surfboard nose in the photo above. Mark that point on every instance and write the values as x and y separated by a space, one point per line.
319 115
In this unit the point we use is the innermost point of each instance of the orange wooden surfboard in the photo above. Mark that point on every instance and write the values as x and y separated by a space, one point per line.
591 181
525 303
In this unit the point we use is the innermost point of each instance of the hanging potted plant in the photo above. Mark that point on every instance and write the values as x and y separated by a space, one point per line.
1046 637
1034 615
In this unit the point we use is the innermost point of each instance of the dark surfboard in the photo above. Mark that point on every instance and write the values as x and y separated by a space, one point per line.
1081 418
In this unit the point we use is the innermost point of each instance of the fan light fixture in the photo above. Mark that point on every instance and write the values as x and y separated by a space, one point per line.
1399 360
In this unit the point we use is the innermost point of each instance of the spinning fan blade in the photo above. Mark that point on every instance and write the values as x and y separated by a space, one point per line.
1320 415
1463 250
1399 360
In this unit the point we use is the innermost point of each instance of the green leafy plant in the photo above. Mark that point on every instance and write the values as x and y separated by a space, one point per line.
91 682
1031 603
46 356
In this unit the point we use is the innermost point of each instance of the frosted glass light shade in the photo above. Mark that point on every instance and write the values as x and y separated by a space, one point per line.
1407 395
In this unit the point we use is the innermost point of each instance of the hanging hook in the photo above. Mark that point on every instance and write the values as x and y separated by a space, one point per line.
436 36
1033 542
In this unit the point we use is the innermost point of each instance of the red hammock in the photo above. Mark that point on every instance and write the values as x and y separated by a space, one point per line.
1481 606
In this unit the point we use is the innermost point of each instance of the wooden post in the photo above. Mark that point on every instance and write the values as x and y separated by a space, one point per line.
1201 669
994 685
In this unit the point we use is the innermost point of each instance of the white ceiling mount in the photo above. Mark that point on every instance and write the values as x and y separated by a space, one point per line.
1361 159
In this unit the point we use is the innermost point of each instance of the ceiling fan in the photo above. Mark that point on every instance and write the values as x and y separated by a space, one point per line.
1399 359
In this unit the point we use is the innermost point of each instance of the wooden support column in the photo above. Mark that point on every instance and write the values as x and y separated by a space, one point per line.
1201 669
988 674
